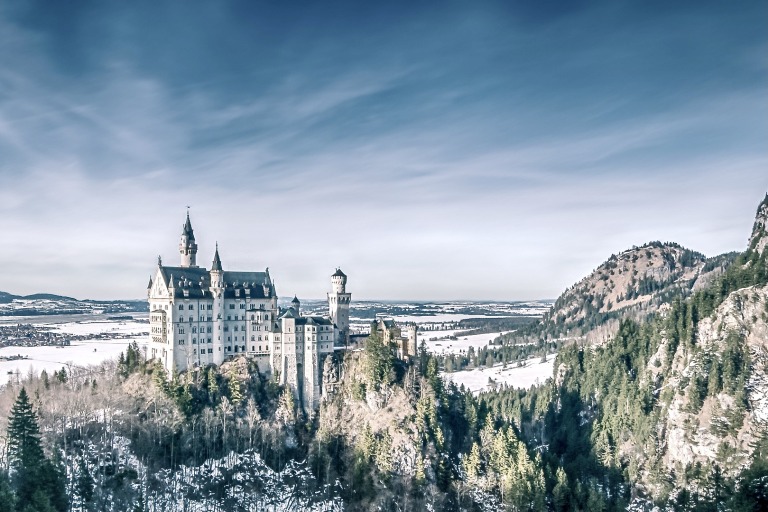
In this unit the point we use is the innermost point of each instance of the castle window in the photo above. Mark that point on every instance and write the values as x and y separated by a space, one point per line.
242 306
231 306
252 317
229 338
210 307
254 348
209 340
253 338
194 341
229 317
210 351
194 351
209 329
191 306
181 307
236 348
226 328
194 329
181 342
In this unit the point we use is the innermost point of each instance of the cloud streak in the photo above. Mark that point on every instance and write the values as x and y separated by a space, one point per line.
479 153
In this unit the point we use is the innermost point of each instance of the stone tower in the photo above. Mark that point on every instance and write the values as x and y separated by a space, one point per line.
338 304
187 246
412 346
217 291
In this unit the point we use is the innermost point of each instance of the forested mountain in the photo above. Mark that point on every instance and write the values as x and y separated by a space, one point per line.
670 412
633 284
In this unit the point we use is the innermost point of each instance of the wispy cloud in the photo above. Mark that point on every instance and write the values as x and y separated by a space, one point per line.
516 149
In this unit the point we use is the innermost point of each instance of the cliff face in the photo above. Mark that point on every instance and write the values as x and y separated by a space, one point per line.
731 356
631 284
759 238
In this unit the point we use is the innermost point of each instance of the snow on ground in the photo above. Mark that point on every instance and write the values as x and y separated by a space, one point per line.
457 346
437 318
531 373
102 326
81 354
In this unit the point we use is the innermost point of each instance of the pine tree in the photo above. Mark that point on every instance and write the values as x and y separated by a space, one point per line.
561 494
37 481
7 498
85 484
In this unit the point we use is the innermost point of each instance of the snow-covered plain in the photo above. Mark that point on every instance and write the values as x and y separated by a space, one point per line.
531 373
457 346
131 327
81 354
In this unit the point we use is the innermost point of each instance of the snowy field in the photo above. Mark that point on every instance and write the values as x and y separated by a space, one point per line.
82 353
457 346
79 354
89 328
531 373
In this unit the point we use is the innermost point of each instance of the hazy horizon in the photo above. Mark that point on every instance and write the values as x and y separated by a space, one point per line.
495 150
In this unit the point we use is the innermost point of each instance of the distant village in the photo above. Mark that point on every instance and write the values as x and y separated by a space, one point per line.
29 335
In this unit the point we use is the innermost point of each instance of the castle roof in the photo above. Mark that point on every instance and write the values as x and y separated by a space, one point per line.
216 260
339 273
387 323
304 320
196 281
295 300
313 320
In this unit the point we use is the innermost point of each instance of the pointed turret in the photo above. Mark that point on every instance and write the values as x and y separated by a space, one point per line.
188 228
216 265
296 305
149 286
187 246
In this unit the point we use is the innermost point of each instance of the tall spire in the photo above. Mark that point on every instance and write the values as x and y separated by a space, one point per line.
188 228
216 260
187 246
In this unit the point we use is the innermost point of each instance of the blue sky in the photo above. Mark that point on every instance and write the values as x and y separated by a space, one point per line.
433 150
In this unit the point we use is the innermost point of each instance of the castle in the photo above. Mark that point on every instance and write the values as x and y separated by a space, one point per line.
200 317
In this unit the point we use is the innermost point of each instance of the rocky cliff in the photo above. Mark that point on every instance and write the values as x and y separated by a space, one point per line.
632 284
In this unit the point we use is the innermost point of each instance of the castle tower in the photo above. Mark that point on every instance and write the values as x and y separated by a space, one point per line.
412 343
338 305
187 246
296 305
217 291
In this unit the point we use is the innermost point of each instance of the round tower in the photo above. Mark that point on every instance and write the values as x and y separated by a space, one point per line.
338 305
296 305
187 245
339 281
413 343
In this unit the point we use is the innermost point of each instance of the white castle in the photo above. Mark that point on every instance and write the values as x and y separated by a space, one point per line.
200 317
